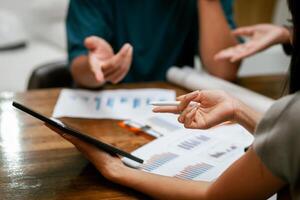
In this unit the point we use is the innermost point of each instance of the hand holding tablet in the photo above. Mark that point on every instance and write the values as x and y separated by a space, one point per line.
135 161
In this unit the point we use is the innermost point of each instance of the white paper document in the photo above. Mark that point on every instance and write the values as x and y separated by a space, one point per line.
195 154
109 104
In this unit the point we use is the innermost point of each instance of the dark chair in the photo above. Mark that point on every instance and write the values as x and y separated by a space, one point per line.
50 75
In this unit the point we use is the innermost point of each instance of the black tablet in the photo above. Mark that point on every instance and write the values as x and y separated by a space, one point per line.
84 137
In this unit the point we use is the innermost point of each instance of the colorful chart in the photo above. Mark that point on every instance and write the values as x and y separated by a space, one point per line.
193 171
158 160
109 104
193 142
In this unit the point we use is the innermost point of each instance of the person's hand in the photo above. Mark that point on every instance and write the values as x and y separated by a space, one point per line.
260 37
105 65
109 166
212 108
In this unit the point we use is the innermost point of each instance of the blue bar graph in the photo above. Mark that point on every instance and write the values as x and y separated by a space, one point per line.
110 102
148 101
158 160
193 142
136 103
124 100
98 103
193 171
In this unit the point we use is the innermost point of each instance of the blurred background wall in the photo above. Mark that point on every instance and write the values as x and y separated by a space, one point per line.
249 12
43 25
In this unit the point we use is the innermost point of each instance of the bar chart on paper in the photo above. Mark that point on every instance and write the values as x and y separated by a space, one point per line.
158 160
193 142
193 171
109 104
191 154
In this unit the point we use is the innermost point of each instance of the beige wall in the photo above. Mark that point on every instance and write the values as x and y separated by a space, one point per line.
248 12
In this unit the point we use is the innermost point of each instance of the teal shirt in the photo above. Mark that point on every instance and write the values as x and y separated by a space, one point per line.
163 33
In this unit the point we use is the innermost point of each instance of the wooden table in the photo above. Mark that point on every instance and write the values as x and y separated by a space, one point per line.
36 163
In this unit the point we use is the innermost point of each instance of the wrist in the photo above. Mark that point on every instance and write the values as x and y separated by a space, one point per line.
116 172
285 35
237 110
246 116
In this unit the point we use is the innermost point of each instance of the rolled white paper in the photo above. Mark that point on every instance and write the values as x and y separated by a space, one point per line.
195 80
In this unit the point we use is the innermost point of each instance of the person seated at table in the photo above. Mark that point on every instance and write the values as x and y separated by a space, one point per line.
272 162
260 37
134 41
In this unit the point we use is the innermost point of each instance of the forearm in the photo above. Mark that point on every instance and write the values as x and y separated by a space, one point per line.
215 35
82 74
246 116
161 187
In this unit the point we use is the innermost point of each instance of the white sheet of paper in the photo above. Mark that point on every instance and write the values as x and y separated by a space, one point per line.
195 154
109 104
164 123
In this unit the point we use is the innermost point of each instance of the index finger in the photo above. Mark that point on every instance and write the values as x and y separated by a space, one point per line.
185 100
166 109
117 59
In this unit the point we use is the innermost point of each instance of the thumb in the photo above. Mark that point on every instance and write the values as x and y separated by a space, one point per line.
224 54
244 31
96 68
93 43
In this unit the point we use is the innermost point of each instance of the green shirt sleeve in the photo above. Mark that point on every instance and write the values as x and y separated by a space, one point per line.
277 139
86 18
228 10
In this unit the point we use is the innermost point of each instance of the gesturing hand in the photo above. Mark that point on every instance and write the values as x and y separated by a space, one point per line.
105 65
212 108
260 37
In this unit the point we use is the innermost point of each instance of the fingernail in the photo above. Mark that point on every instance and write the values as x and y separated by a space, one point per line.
193 94
127 46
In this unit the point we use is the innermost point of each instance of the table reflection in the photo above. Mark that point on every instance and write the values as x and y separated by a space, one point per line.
9 137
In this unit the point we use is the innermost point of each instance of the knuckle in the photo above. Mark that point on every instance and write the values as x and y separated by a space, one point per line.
179 119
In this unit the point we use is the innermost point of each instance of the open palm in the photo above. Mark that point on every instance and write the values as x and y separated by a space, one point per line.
260 37
104 63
